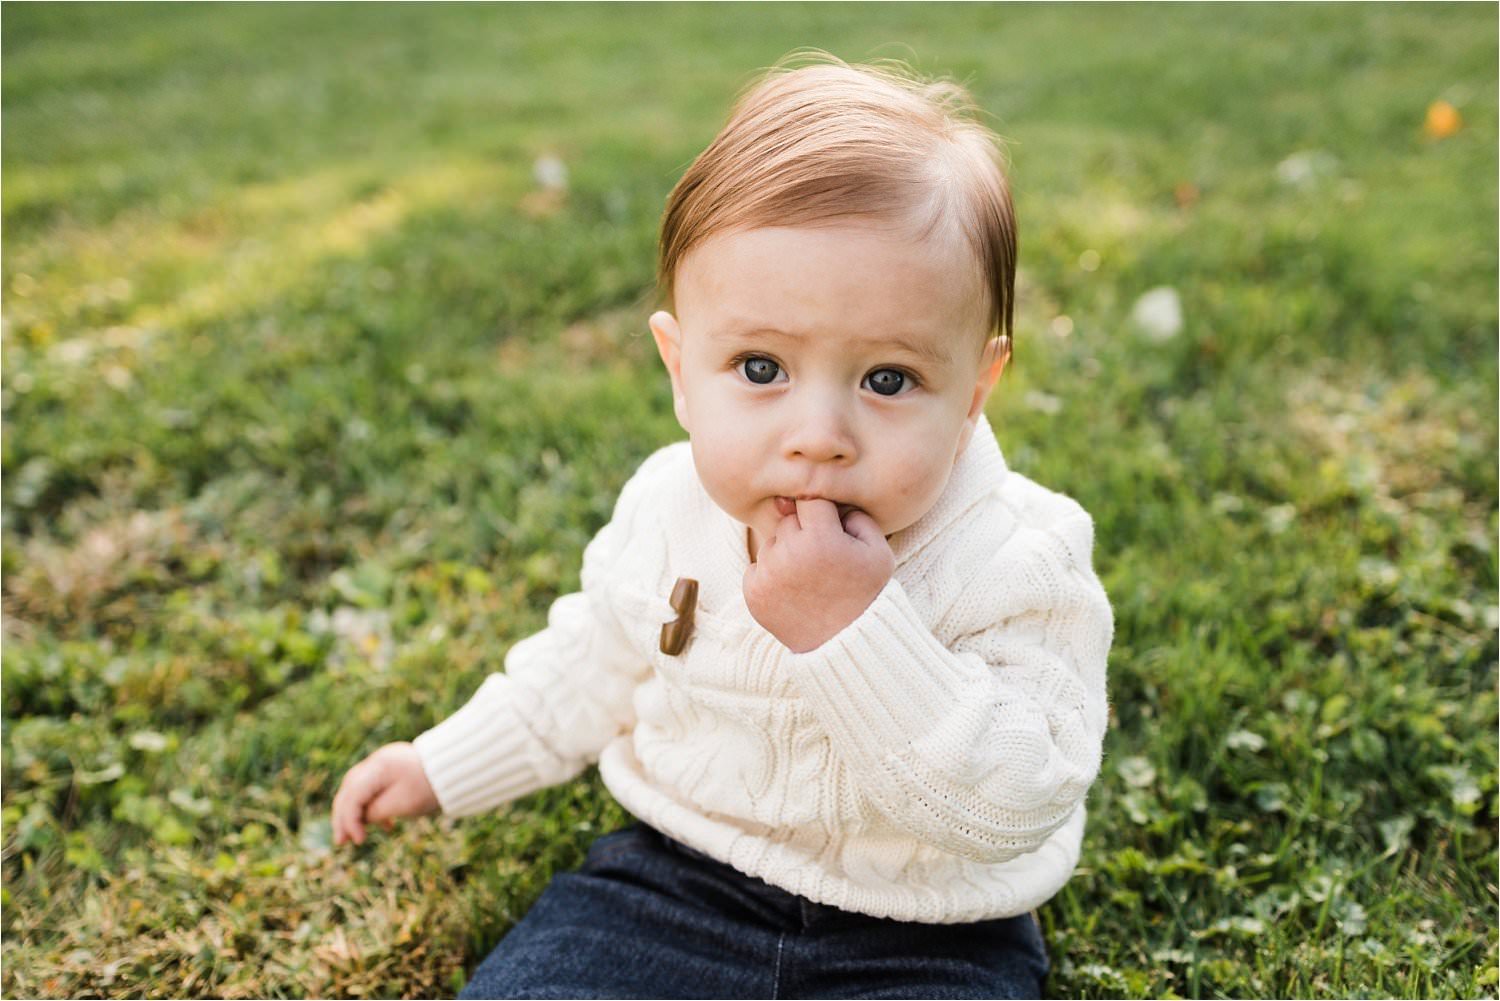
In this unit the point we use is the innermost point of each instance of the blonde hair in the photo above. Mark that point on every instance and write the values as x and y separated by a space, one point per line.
831 141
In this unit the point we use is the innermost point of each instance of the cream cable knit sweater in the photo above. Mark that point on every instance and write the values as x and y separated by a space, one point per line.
928 763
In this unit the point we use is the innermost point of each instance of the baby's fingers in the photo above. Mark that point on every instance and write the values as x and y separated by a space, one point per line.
360 785
862 527
818 516
346 822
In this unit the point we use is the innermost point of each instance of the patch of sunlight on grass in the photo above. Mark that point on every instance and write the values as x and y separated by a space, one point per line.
246 250
280 254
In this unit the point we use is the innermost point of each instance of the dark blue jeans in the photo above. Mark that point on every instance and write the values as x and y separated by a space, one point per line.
646 917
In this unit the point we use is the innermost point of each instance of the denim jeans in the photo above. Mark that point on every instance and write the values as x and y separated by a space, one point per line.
647 917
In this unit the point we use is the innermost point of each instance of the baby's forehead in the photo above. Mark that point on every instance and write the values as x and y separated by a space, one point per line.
855 271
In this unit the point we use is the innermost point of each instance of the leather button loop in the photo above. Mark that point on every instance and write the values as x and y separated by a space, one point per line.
684 602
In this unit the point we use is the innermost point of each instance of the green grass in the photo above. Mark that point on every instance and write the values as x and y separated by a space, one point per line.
311 403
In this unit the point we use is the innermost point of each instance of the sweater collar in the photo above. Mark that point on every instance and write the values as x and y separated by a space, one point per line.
979 470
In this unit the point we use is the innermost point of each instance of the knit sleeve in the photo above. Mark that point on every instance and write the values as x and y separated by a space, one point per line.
566 691
985 746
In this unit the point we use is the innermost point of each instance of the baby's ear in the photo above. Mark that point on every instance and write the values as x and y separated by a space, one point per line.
668 337
991 363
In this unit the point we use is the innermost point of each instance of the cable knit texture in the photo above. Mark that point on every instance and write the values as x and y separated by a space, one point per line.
928 763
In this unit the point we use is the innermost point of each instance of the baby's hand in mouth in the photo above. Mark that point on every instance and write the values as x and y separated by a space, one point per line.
821 569
787 506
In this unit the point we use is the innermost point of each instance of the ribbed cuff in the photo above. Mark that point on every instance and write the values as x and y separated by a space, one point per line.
483 755
884 680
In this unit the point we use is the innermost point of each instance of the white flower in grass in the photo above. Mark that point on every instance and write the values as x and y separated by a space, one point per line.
550 172
1158 313
1301 170
1280 518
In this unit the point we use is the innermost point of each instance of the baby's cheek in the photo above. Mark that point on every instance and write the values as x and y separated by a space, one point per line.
721 480
912 492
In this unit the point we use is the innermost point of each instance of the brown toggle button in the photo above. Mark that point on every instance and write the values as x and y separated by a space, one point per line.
684 601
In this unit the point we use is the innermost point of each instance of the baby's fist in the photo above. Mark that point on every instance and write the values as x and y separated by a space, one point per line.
390 783
817 574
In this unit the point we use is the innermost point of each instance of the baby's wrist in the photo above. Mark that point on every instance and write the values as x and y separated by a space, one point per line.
801 630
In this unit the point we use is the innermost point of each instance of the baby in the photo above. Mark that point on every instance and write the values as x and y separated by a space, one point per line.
859 753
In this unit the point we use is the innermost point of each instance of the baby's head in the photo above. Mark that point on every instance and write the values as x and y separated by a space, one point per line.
841 265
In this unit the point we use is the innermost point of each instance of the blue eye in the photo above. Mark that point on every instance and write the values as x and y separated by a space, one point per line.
887 381
760 370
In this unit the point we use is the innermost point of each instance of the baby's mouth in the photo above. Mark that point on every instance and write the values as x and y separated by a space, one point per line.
788 505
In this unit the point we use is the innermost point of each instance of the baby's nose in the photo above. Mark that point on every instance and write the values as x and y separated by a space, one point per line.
821 434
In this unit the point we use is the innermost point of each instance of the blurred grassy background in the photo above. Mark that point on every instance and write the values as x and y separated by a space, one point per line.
313 394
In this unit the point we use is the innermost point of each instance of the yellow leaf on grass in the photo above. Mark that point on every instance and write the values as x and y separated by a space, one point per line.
1443 120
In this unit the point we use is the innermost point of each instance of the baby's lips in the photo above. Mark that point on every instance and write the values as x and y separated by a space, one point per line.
787 506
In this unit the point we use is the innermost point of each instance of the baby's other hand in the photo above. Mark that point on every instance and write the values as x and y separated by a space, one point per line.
390 783
817 574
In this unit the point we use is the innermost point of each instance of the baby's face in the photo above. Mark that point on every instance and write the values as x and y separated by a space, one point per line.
846 363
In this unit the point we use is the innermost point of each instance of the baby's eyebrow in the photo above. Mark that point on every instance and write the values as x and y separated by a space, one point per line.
920 348
917 347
